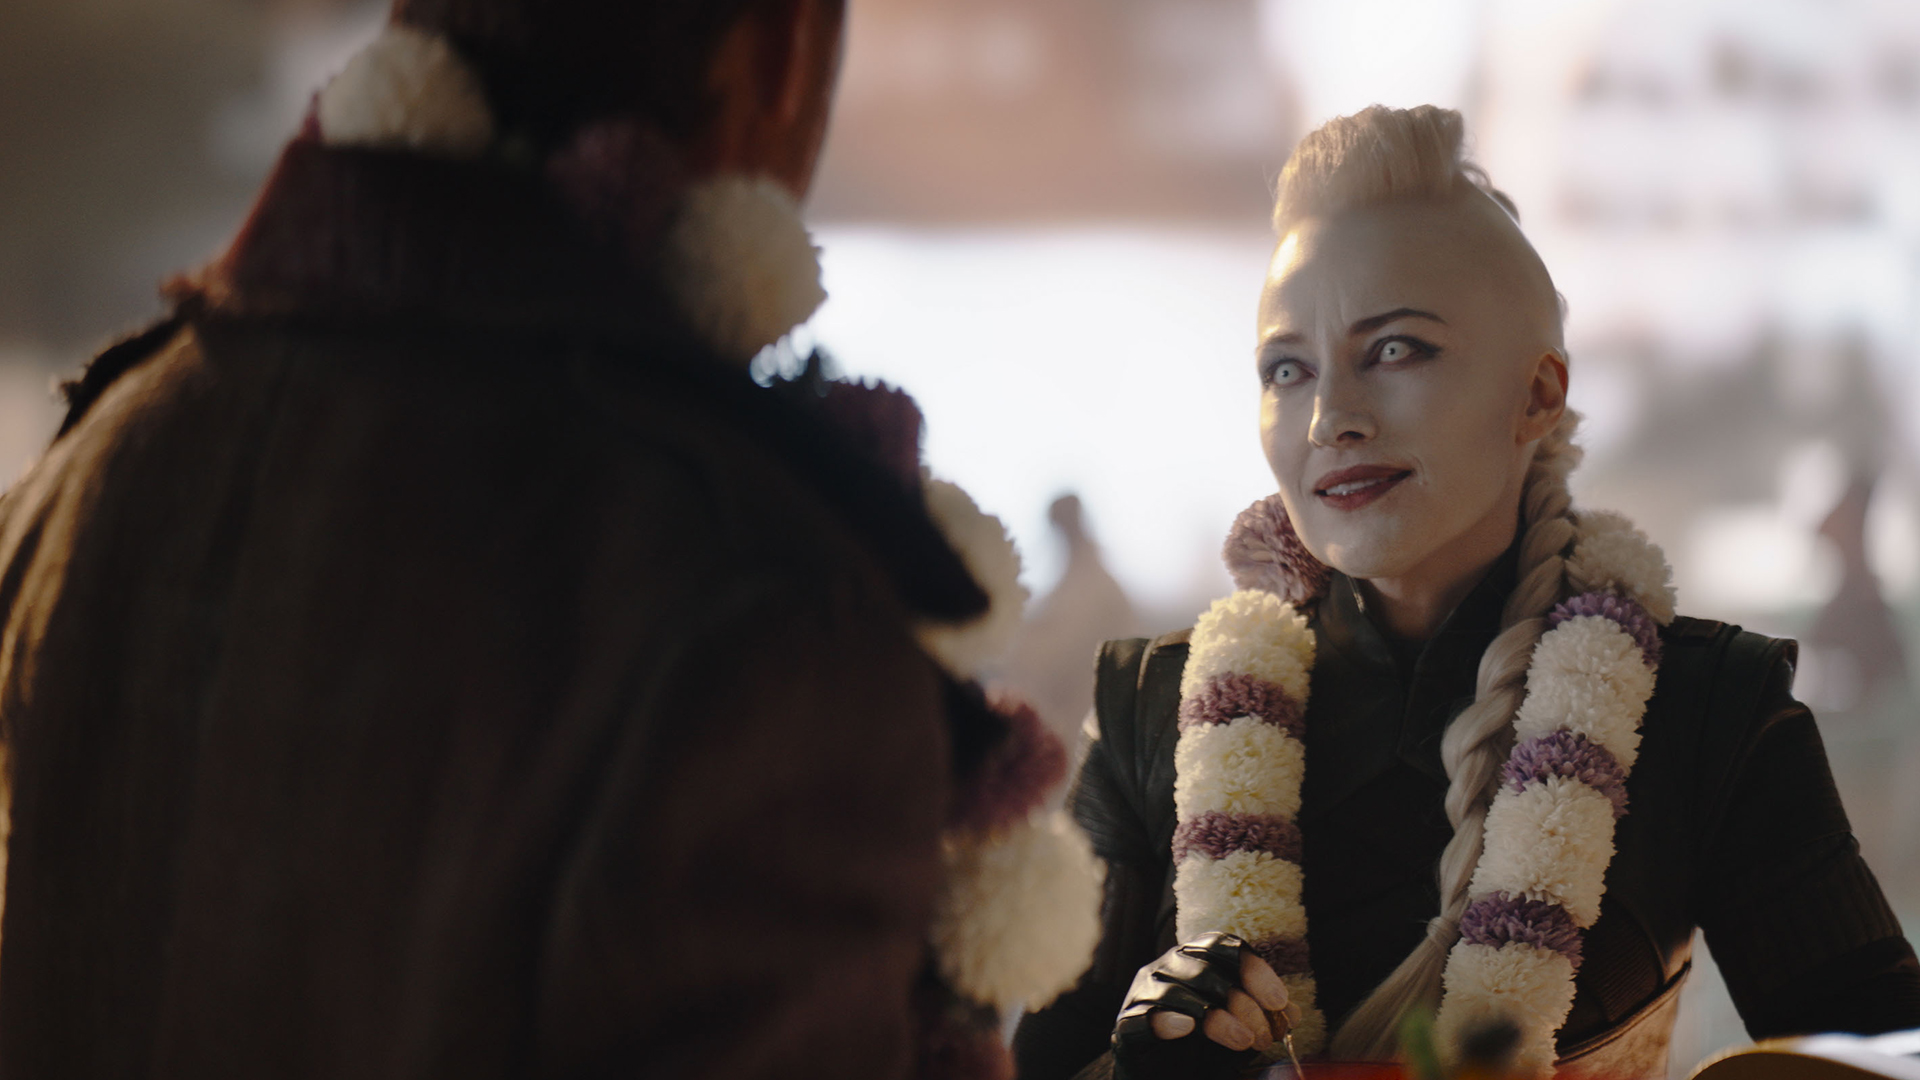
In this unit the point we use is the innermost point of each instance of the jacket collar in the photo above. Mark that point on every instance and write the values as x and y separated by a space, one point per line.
1374 704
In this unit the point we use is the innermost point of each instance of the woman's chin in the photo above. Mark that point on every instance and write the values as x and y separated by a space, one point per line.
1371 555
1364 567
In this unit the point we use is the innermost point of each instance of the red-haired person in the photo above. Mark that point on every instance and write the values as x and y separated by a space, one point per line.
431 653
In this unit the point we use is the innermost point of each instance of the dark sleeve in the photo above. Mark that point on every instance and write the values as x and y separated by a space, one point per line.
1062 1039
1793 916
750 895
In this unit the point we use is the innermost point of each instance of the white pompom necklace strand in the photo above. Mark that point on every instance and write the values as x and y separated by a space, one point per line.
1241 759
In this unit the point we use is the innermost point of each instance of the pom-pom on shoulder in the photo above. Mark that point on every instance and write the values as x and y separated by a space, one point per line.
1263 552
1020 913
741 265
1612 554
407 90
968 649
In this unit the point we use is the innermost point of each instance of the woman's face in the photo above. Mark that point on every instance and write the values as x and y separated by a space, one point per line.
1407 371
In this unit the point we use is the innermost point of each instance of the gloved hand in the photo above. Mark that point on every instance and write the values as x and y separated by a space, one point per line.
1200 1011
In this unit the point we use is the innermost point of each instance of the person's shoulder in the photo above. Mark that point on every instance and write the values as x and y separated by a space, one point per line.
1129 771
1708 657
125 435
1137 687
1128 667
1718 688
626 461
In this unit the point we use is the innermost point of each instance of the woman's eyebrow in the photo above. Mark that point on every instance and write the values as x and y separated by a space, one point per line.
1375 322
1364 326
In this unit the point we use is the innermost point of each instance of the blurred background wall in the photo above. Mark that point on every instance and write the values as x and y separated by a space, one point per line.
1046 218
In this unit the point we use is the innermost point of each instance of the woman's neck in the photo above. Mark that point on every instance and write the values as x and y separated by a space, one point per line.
1412 606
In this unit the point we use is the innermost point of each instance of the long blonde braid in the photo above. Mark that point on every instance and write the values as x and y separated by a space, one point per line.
1476 743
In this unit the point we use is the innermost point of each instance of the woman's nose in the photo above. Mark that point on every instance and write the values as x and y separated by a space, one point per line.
1339 417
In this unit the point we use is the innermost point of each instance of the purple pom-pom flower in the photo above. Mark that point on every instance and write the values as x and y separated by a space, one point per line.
1571 756
1626 614
1499 918
1263 552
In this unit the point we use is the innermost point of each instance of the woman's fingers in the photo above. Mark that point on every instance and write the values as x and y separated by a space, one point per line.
1251 1017
1245 1023
1241 1025
1260 981
1170 1025
1283 1021
1223 1028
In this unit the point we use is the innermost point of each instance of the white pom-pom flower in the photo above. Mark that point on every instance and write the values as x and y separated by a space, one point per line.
1551 841
741 265
1587 676
1251 633
1529 987
1612 554
1248 893
1247 766
968 650
1020 912
407 90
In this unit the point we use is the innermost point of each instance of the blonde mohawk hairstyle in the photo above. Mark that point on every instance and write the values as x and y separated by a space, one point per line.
1378 155
1382 155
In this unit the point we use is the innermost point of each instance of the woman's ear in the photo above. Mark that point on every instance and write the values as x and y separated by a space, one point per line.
1546 396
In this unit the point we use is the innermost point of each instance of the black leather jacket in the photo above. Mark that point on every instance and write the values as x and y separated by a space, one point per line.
1733 826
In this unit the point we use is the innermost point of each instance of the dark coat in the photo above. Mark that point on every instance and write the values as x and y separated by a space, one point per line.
1733 826
421 660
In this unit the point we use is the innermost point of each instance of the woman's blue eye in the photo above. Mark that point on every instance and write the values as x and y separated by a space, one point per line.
1397 350
1284 373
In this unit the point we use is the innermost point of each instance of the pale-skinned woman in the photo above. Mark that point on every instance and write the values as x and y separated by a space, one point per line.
1449 747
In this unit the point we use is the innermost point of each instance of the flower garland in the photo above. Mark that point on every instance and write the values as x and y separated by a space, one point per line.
1549 831
1238 768
1019 915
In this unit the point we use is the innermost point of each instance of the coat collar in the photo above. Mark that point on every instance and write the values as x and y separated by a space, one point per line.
342 235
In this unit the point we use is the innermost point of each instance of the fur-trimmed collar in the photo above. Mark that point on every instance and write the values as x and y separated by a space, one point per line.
401 198
346 235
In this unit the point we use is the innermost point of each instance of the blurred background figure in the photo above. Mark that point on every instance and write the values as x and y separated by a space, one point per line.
1047 219
1859 647
1051 663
